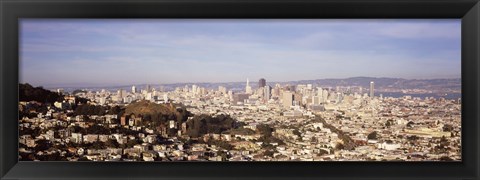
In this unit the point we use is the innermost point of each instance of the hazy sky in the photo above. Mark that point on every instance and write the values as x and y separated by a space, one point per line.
122 52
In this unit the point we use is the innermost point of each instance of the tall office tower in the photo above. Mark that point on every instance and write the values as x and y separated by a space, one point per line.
134 89
266 92
119 94
316 100
339 97
194 89
262 83
276 90
287 99
248 89
372 85
325 95
148 88
319 94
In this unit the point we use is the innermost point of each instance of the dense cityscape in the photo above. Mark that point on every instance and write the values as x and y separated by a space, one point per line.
263 121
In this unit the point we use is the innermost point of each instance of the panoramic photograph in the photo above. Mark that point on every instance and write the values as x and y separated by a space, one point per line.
240 90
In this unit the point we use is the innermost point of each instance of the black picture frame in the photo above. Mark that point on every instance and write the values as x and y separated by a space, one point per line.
467 10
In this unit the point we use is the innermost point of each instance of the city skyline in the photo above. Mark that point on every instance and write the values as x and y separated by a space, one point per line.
125 52
74 85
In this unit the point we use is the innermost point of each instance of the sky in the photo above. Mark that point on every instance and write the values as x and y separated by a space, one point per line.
102 52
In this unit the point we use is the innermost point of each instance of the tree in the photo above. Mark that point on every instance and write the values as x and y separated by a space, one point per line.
97 129
296 132
339 146
446 158
29 93
114 110
412 138
373 135
389 123
42 145
264 129
268 153
203 124
447 127
111 143
410 124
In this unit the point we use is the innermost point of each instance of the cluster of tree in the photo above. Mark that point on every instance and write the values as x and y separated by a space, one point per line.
269 153
445 158
270 139
442 147
42 145
266 132
51 157
349 144
77 129
204 124
264 129
29 93
297 132
447 127
32 110
339 146
242 131
33 132
153 115
88 109
95 145
116 110
223 144
125 131
224 155
97 129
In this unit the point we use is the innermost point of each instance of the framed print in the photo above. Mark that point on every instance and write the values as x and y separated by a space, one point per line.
239 89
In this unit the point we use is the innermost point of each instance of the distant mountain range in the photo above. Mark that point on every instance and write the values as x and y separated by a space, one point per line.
396 83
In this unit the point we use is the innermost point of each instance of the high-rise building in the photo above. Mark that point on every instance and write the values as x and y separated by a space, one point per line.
287 99
148 88
262 83
194 89
339 97
266 92
134 89
372 86
119 93
325 96
316 100
248 89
